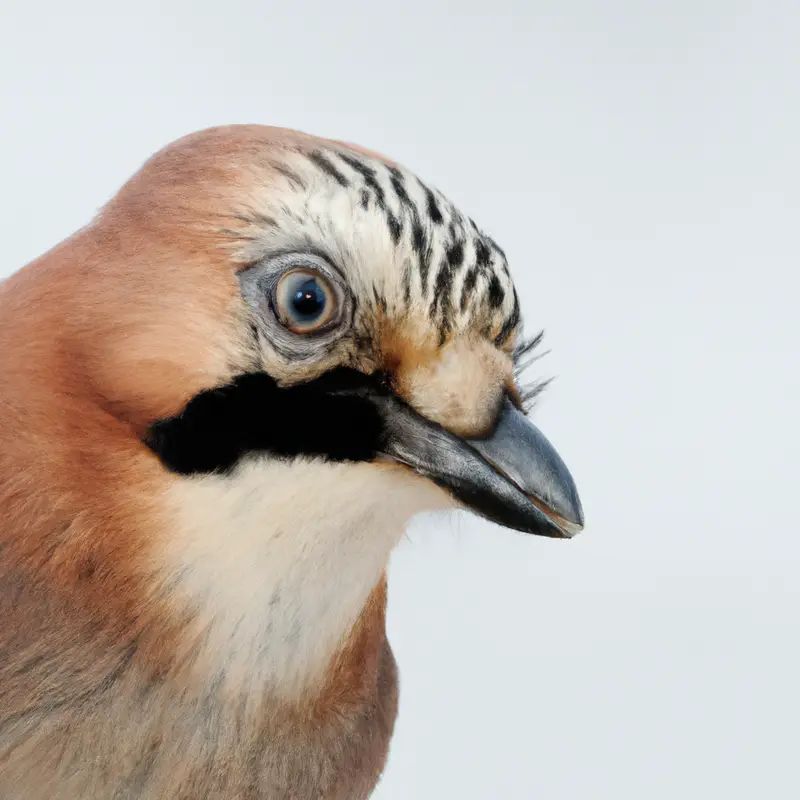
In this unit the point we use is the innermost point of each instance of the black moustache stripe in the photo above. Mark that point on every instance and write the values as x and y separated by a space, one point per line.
331 417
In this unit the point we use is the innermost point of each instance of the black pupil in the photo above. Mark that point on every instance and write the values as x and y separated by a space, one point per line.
308 299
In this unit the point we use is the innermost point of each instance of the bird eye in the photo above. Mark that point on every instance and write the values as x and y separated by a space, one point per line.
305 301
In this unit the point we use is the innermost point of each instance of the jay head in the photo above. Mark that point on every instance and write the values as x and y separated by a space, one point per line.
222 401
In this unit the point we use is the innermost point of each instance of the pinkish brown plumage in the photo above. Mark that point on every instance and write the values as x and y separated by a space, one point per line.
193 581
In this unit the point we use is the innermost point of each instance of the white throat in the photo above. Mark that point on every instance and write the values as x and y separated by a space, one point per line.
275 562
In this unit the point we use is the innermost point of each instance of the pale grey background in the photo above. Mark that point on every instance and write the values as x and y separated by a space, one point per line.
639 164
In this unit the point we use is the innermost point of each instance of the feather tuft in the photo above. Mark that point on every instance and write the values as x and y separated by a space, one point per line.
526 353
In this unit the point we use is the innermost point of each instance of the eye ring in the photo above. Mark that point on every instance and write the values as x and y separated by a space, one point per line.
306 301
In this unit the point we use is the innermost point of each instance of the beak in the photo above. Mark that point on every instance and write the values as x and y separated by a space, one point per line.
513 476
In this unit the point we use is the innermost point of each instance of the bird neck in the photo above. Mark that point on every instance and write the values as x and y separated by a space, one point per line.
279 571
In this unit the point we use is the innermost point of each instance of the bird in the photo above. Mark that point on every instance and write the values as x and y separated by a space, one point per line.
223 400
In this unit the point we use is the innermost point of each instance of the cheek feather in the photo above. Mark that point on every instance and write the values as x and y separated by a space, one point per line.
459 386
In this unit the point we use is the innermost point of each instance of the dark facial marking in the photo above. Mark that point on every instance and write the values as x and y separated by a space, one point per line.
469 284
482 266
254 335
406 203
510 324
367 173
407 281
294 179
422 247
256 218
394 224
455 255
418 239
398 184
433 207
328 168
496 292
483 253
252 414
380 300
442 301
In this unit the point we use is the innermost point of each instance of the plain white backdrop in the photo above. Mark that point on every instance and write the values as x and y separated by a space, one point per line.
639 162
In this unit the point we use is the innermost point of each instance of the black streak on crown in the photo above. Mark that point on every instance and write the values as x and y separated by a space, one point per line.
329 169
496 292
442 304
454 258
509 324
295 181
433 207
394 224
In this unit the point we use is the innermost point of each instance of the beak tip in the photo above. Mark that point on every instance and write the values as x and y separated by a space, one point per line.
568 526
571 529
520 452
576 518
562 509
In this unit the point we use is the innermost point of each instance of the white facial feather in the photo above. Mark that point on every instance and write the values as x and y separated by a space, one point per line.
275 562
